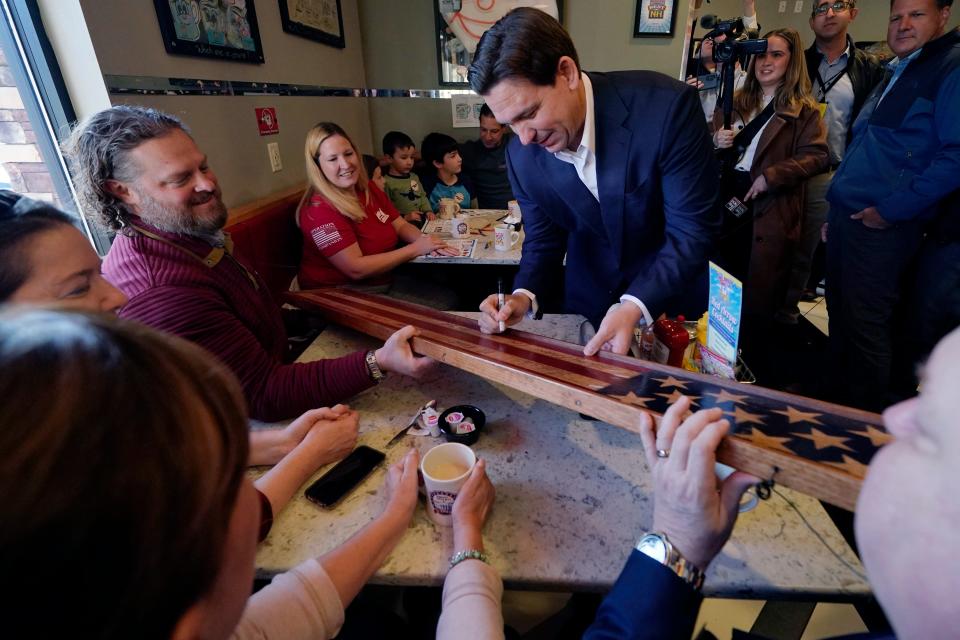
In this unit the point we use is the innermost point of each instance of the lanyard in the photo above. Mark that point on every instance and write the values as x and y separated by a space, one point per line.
826 86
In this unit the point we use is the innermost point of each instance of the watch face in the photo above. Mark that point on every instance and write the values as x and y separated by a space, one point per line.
653 547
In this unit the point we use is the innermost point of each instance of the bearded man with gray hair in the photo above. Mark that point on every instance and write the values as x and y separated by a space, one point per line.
144 175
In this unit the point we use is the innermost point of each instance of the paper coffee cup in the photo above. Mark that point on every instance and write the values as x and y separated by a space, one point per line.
749 500
445 469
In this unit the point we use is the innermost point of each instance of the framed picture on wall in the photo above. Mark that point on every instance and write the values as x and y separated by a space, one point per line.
320 20
654 18
219 29
461 23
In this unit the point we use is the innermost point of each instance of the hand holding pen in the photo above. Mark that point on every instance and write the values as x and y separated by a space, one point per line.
501 310
501 326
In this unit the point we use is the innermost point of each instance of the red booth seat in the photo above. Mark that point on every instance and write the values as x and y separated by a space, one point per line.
266 238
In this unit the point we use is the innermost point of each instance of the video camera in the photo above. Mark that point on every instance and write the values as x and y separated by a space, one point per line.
737 43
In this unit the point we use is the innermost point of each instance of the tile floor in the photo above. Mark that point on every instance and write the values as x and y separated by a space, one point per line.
816 313
524 610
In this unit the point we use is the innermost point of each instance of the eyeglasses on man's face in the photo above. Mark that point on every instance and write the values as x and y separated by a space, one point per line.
837 7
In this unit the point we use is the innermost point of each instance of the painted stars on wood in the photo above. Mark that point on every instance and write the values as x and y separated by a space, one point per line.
851 466
634 399
741 416
823 440
786 425
759 438
676 395
722 396
795 415
670 381
877 437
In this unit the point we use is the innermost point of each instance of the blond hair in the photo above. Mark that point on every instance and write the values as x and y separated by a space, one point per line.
346 201
795 91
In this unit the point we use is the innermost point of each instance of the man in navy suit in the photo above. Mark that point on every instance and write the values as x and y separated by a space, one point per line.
619 178
907 517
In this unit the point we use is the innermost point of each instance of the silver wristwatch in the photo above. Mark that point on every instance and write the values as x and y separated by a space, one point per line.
373 367
657 547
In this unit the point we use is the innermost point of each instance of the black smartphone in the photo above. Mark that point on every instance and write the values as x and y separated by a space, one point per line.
348 473
710 81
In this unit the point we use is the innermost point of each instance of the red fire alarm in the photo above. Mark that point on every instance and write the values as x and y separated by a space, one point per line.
267 121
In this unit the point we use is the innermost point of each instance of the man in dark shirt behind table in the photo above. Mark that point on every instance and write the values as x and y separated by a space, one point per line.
485 162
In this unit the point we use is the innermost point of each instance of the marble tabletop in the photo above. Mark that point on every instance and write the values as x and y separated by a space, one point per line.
484 253
573 496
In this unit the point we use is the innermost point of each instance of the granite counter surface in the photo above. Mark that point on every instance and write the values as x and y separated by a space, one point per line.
573 496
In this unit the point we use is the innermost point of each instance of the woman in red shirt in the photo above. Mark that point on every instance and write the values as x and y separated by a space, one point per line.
350 227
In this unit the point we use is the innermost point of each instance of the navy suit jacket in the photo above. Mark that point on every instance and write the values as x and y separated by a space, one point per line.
649 602
651 232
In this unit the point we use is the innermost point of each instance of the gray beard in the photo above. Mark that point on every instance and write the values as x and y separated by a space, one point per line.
181 221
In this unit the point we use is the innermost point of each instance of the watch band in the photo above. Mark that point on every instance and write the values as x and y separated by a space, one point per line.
672 559
373 367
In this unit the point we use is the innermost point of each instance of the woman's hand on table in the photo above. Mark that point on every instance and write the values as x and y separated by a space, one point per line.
269 446
427 243
471 508
329 439
396 355
694 509
515 306
401 485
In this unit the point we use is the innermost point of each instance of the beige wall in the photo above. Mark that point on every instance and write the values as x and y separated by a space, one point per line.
400 52
126 39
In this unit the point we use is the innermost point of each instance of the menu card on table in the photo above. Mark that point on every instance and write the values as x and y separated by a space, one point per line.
463 247
723 326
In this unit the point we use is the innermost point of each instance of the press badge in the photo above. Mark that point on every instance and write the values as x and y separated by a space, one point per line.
823 109
736 207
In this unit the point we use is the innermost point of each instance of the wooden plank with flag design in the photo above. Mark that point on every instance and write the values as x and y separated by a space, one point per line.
811 446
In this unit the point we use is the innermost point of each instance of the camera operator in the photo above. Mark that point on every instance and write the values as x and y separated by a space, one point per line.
777 141
707 66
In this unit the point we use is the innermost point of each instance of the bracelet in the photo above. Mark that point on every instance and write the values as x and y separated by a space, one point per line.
469 554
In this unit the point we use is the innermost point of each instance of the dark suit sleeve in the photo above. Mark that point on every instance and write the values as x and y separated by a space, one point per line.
647 601
544 243
689 181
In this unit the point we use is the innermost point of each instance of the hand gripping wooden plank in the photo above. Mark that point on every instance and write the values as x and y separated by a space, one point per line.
818 448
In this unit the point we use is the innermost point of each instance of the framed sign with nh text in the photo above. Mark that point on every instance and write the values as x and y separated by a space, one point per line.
654 18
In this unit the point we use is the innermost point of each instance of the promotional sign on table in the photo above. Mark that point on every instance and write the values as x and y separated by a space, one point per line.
726 301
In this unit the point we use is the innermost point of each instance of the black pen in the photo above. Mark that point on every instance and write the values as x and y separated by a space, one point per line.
500 302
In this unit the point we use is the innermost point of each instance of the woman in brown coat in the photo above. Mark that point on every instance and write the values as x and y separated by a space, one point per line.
766 173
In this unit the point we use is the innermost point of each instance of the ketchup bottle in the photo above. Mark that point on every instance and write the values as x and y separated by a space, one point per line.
670 341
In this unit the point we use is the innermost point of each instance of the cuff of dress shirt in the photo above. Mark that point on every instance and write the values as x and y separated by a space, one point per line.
534 312
648 320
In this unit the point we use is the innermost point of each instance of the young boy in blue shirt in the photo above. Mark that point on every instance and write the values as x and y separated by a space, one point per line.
441 153
401 185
